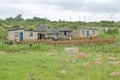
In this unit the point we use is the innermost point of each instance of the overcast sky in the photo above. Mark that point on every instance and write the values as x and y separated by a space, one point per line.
74 10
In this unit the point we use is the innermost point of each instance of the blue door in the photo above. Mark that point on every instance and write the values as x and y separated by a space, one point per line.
20 36
57 35
87 33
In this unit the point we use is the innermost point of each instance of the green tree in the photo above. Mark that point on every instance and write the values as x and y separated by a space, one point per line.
107 23
18 17
9 19
16 26
3 34
112 32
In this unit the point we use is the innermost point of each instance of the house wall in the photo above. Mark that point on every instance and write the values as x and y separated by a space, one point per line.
49 35
11 35
26 35
68 34
83 33
52 35
96 33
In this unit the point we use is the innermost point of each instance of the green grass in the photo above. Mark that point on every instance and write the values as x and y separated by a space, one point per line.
105 35
107 48
37 65
43 47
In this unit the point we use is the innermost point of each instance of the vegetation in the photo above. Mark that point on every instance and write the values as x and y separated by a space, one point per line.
45 62
106 48
112 32
37 65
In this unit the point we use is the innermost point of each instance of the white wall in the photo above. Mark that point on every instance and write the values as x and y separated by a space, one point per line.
11 35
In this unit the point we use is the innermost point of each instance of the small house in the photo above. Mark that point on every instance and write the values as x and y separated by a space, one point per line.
83 32
65 32
41 31
19 34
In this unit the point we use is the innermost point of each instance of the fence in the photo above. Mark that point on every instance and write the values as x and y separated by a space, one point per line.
44 45
75 42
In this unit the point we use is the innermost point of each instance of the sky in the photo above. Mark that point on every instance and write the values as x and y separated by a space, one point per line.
67 10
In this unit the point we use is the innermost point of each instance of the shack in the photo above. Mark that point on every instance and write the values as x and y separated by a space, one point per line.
85 32
20 34
41 31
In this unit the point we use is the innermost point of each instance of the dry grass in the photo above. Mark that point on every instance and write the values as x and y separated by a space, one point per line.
114 74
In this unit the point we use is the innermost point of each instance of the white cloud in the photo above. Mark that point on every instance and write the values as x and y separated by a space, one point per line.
88 10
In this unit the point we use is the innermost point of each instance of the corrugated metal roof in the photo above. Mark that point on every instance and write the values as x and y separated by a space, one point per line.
41 28
52 31
87 28
15 29
64 29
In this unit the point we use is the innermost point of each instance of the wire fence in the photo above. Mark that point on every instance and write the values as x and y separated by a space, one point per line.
44 45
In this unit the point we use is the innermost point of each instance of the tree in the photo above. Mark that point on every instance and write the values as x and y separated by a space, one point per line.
9 19
30 29
16 26
3 33
107 23
18 17
112 32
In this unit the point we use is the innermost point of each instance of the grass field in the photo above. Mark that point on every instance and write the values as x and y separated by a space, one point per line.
46 65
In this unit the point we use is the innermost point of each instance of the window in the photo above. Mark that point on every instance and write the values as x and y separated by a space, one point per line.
15 34
93 32
83 32
30 33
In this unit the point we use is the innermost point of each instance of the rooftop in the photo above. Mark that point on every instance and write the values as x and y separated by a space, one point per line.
64 29
52 31
41 28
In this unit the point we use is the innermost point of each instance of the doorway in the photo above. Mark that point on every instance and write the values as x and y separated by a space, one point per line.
87 33
41 36
20 36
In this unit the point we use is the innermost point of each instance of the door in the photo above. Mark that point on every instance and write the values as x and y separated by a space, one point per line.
57 35
87 33
65 33
41 36
20 36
